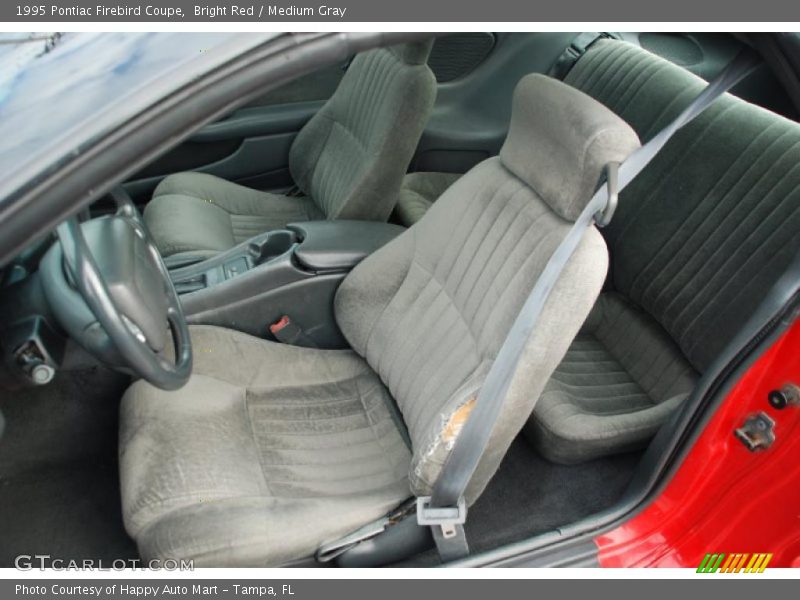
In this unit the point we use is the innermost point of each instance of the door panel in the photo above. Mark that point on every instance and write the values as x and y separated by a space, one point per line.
188 156
258 162
250 146
472 112
316 86
259 121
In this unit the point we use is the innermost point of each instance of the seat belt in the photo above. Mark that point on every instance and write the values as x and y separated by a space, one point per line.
572 53
445 509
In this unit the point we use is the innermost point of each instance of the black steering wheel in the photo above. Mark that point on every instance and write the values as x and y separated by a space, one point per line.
108 287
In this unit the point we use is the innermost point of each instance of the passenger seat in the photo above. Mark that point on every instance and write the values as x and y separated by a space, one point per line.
348 162
697 242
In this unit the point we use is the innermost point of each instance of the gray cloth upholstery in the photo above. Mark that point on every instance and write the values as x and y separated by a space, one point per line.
560 144
268 451
696 243
711 224
432 324
419 191
619 381
352 156
348 160
272 450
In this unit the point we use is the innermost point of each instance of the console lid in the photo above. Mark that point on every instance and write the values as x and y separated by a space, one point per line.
340 245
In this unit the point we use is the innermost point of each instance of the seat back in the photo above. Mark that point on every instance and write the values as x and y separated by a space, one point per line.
351 157
710 225
430 310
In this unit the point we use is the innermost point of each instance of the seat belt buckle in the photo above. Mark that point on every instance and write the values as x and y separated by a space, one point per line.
288 332
444 517
293 192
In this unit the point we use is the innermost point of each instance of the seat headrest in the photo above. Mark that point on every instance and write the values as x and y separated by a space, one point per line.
413 53
560 141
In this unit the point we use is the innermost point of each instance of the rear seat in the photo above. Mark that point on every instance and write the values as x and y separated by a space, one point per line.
698 240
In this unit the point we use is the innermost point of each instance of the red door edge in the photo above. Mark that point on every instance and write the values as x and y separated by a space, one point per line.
724 498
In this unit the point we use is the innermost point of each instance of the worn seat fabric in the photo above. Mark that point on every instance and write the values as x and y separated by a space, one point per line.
270 451
348 161
250 464
419 192
697 241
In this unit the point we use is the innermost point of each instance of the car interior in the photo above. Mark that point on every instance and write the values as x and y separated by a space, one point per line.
344 257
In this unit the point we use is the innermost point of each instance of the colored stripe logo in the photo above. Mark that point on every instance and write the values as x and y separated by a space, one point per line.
734 563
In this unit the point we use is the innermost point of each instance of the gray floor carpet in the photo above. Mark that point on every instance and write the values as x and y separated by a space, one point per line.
529 495
59 487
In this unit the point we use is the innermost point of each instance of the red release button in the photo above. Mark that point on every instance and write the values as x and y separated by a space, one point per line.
277 326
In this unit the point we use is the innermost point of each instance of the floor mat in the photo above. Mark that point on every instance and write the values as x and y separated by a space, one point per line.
59 484
529 495
69 512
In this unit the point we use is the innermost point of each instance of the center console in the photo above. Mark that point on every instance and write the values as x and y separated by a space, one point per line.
293 271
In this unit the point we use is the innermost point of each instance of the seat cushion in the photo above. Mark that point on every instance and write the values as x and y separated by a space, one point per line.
620 380
419 192
193 212
267 452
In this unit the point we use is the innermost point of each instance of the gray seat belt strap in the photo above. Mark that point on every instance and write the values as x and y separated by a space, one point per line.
445 509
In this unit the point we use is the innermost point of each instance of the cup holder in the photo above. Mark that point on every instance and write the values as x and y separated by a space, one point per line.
275 244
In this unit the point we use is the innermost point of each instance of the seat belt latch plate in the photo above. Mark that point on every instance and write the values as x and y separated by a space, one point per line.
444 517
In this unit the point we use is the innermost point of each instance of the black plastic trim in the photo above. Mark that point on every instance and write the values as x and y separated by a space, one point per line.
340 245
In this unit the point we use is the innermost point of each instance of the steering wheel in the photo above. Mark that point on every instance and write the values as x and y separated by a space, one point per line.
109 288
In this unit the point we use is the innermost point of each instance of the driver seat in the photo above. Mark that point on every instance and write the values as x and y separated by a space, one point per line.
271 450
